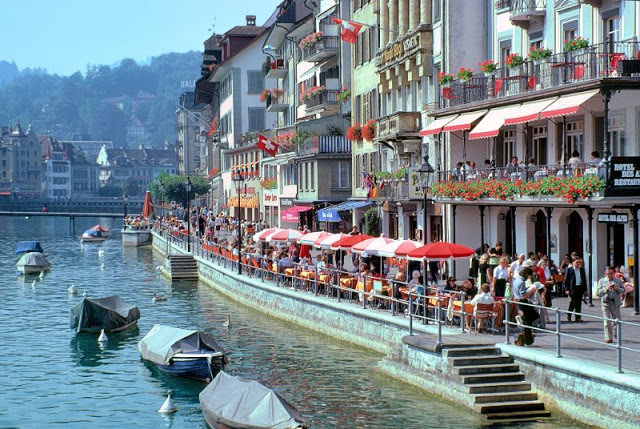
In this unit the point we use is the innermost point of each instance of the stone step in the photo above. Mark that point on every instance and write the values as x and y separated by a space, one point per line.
492 378
499 387
519 416
471 351
486 369
485 398
508 407
481 360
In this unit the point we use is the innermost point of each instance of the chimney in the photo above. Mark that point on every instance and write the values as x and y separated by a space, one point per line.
251 20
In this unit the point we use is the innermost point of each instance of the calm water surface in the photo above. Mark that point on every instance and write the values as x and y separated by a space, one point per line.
53 377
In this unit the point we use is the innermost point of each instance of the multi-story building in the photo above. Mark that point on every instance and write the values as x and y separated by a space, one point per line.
192 123
20 163
563 89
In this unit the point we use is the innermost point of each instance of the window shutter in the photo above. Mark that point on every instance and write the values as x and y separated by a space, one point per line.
256 118
255 81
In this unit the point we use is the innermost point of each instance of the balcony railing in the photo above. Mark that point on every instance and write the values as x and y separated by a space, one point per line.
399 124
277 70
323 99
277 104
558 70
393 189
324 144
325 48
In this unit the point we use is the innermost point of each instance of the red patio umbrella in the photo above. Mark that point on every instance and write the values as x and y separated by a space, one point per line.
147 207
325 243
440 250
287 234
311 237
347 242
263 235
371 246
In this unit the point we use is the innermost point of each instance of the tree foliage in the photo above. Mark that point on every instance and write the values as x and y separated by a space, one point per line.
174 188
79 104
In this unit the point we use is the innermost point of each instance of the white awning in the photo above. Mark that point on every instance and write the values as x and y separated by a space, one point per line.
465 121
436 126
528 112
490 125
570 104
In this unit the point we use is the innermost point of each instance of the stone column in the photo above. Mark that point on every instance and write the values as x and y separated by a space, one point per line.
414 14
403 24
393 19
384 23
425 11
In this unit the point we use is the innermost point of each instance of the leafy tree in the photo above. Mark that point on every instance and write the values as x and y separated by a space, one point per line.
372 222
174 189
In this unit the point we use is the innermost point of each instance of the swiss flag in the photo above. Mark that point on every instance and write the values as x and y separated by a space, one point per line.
348 29
267 145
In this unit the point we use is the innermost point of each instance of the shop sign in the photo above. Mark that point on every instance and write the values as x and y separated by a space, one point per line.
624 176
613 217
415 185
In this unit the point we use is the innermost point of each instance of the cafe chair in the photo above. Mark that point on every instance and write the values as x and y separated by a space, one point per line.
484 314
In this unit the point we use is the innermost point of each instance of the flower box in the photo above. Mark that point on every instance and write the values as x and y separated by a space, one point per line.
488 67
464 75
514 60
575 44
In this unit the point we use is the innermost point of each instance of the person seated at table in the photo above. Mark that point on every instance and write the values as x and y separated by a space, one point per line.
294 257
396 284
575 162
469 289
484 297
451 284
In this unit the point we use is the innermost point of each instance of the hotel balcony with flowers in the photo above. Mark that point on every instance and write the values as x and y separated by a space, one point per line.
569 117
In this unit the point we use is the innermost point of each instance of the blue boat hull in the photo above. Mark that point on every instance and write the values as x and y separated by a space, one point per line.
198 368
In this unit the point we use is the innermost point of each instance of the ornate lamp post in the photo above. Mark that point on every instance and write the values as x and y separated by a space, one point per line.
187 187
125 204
238 179
161 189
426 178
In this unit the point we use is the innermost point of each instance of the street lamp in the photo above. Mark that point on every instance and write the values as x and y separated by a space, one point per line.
187 187
125 203
426 179
238 179
161 189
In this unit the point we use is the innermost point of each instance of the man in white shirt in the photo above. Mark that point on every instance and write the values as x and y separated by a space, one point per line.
515 267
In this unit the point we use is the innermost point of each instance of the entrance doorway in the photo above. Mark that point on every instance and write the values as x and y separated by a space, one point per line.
393 225
413 227
436 228
615 244
509 241
540 232
575 237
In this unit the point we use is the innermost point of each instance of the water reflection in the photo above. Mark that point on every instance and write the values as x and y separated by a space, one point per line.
86 350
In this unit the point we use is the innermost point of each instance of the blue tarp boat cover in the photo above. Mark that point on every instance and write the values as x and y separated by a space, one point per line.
94 233
163 342
28 246
239 403
110 313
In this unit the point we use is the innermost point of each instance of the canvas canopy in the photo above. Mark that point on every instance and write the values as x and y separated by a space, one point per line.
28 246
33 259
162 342
94 233
109 313
242 404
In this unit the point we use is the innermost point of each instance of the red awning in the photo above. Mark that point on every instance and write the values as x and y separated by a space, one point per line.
465 121
528 112
490 125
570 104
436 126
5 193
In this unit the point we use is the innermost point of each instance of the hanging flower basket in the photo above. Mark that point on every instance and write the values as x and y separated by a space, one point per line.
444 79
354 132
514 60
576 43
539 55
488 67
369 130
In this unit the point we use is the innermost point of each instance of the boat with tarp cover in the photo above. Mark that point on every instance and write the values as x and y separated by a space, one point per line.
33 263
28 246
183 352
110 313
231 402
96 233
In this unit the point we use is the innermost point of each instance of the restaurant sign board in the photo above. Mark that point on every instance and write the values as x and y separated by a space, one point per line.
624 176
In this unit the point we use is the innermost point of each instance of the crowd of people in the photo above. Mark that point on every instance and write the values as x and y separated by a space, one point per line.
533 280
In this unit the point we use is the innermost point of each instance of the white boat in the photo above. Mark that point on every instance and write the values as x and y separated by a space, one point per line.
33 263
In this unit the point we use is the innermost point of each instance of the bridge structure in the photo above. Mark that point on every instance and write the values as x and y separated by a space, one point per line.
71 215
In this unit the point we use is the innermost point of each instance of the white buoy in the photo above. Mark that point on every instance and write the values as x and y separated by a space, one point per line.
103 337
167 406
227 322
101 252
72 290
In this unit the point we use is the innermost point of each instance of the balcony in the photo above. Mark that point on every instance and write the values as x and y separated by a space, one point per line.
325 145
322 99
524 12
613 60
399 126
327 47
393 189
277 70
277 104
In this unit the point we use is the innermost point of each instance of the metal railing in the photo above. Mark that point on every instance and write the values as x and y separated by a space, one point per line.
594 62
523 172
559 334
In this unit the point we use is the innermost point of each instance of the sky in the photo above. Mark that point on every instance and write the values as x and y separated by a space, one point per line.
65 36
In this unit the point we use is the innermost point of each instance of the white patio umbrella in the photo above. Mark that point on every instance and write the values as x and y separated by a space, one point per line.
372 246
287 234
399 248
325 243
264 234
311 237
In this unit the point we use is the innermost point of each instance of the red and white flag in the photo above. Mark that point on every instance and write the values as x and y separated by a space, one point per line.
267 145
348 30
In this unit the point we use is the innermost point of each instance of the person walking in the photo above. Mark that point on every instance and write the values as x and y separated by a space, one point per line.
575 286
522 294
610 290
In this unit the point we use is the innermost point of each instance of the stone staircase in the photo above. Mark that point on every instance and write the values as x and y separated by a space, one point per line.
499 390
182 267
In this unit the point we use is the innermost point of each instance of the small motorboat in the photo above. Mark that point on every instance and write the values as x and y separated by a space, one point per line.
182 352
95 234
231 402
110 313
28 246
33 263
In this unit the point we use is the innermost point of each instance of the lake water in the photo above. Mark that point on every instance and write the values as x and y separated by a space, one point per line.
52 377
